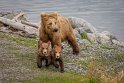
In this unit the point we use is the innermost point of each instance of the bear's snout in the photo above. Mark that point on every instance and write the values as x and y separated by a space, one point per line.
57 55
55 30
45 51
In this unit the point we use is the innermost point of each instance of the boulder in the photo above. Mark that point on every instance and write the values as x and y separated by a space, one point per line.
78 36
110 35
103 38
116 42
81 23
91 37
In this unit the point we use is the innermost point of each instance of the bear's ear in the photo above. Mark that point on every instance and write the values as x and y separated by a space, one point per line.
54 46
54 14
39 43
44 16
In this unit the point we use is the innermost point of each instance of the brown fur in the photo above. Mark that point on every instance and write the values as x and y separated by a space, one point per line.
57 28
43 53
57 57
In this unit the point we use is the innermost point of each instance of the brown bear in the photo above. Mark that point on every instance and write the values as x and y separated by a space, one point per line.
43 53
57 28
57 57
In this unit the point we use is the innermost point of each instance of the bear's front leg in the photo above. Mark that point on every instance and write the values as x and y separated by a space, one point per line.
48 61
61 66
54 62
56 40
39 62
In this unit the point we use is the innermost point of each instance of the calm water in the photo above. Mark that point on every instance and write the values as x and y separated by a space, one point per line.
103 14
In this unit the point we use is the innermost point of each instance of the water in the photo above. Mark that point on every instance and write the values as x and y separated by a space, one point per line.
103 14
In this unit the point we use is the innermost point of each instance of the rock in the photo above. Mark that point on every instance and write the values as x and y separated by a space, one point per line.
116 42
110 35
91 37
80 30
78 36
85 41
102 38
81 23
105 37
1 25
5 30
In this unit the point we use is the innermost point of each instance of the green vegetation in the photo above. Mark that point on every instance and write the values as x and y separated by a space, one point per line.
55 77
84 35
107 47
30 42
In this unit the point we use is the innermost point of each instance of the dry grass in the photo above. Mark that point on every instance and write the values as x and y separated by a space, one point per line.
98 74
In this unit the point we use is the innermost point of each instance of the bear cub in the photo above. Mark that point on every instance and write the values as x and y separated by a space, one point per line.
43 53
57 57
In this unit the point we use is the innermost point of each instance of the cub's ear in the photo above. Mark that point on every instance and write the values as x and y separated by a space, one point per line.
54 46
49 42
39 43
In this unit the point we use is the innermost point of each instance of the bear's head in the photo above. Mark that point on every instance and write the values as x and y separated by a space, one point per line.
57 51
44 48
50 21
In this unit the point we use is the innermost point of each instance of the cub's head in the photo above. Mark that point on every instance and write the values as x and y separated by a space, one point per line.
44 47
50 21
57 51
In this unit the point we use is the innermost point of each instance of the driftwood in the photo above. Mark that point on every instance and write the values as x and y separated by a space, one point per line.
17 16
19 26
30 24
25 26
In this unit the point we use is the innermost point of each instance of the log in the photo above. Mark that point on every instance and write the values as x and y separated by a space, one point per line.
17 16
17 25
30 24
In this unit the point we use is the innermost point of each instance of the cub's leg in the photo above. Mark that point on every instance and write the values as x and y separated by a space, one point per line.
39 61
61 66
48 61
54 62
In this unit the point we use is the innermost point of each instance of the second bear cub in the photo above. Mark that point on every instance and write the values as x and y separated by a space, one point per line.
57 57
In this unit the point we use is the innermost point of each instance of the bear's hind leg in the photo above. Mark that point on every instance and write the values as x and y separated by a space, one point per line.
72 41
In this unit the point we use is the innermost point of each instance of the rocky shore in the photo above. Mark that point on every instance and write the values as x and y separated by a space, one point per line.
100 52
104 55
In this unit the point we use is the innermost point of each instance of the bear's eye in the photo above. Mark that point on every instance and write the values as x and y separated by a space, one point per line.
50 23
55 22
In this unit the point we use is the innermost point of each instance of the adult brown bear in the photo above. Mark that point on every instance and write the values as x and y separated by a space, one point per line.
56 28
